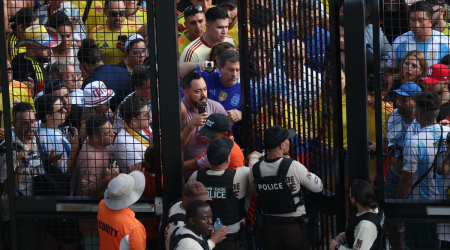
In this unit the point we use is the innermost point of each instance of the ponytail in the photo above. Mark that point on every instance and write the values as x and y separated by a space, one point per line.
363 193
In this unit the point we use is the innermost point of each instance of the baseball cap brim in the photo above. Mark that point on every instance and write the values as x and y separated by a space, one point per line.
130 199
291 133
207 131
401 92
104 99
234 5
430 80
53 40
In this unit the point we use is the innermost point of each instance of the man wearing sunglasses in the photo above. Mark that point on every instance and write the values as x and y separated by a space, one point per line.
107 35
205 4
216 32
195 26
439 14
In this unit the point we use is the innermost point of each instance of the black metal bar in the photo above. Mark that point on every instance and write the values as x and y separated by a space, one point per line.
8 134
244 67
356 89
337 117
378 101
172 153
156 157
413 210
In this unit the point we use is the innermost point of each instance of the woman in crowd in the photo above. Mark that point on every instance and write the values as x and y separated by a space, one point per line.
413 67
365 226
97 101
79 31
65 51
135 53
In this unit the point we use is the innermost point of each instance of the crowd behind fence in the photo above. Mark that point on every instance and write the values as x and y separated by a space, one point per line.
84 107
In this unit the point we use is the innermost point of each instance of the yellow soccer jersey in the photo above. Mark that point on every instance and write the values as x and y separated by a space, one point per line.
198 50
183 42
106 40
11 50
18 92
141 14
181 17
95 16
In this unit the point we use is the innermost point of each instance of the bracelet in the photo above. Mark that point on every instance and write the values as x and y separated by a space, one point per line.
196 65
106 179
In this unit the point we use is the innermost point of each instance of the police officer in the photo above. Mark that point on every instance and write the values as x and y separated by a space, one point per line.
228 189
278 181
365 226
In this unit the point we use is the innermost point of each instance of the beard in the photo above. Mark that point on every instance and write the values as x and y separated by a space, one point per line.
42 59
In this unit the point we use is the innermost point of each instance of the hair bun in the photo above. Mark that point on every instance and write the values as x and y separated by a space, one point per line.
88 44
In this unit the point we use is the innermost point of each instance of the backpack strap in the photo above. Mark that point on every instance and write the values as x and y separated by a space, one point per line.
176 218
283 169
176 238
257 171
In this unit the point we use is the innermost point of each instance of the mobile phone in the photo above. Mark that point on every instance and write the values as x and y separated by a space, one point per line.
201 108
122 38
209 69
111 161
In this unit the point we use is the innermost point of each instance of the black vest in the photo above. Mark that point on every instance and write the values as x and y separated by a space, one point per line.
225 205
174 239
274 195
377 219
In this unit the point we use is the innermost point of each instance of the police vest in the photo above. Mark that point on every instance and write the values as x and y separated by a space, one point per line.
377 219
225 205
174 239
274 195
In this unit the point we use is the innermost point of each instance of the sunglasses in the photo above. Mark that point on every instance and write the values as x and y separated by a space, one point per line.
139 53
192 10
115 13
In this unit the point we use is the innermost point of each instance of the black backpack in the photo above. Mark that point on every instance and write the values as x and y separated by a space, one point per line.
174 239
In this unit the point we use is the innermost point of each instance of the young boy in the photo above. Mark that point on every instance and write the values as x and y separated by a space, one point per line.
386 109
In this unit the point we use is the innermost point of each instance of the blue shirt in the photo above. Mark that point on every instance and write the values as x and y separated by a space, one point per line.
229 97
315 46
115 78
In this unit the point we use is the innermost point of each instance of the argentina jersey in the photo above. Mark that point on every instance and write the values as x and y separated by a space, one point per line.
419 153
54 139
398 130
77 97
434 49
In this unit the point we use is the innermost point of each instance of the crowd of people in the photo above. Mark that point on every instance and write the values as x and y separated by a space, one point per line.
80 92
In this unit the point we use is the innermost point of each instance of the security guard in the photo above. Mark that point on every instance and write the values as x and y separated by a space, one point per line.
278 181
228 189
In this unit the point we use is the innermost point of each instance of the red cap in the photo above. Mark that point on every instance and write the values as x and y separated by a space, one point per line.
437 73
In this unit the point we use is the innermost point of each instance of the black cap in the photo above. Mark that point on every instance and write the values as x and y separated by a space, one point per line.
276 135
221 3
219 150
54 85
214 124
23 16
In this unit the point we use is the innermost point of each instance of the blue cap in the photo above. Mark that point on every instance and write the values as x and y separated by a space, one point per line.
408 89
54 85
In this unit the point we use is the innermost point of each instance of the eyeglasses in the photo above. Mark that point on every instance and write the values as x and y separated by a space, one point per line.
139 53
61 110
26 124
115 13
193 9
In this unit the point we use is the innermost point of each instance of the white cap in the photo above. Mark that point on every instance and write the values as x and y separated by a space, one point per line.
96 93
131 38
124 190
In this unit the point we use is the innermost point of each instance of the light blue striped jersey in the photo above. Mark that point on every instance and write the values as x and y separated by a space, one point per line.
398 130
54 139
435 48
77 97
419 153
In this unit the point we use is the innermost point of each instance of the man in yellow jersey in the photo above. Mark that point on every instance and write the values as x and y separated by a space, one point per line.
107 35
135 13
206 4
216 32
439 24
23 19
195 26
233 28
95 15
18 92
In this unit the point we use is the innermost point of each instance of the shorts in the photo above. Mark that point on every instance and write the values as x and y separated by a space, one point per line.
421 236
391 184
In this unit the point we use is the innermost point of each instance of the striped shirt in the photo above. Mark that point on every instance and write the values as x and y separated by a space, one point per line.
183 42
24 67
434 49
198 50
11 50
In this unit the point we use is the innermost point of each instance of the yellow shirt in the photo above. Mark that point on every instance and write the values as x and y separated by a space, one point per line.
11 50
141 14
386 110
327 125
183 42
234 33
18 92
181 17
446 31
106 40
95 16
291 119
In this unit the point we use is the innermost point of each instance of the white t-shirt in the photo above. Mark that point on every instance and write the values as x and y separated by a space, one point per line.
419 153
190 244
297 174
365 233
127 150
175 209
240 190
